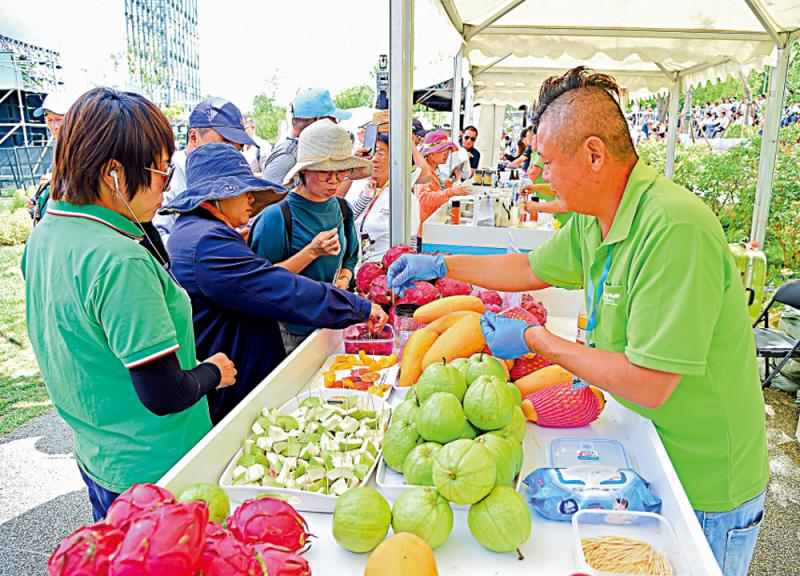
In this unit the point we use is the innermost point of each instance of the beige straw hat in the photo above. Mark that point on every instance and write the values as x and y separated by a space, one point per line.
326 147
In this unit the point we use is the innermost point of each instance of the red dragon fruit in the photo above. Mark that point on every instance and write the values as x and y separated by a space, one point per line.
282 562
395 252
135 501
493 308
449 287
378 292
490 297
269 521
528 364
367 275
225 556
168 540
86 551
421 293
215 531
535 307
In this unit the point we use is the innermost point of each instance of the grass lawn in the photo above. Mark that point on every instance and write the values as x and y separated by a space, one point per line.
22 392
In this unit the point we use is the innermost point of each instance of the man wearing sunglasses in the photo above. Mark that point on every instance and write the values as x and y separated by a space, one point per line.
468 142
212 120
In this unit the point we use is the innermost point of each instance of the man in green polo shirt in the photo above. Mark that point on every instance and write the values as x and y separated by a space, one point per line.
671 335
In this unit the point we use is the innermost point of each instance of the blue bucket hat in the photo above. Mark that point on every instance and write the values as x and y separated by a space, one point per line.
218 171
222 116
316 103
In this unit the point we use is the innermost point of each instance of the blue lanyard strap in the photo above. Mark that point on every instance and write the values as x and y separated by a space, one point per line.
596 293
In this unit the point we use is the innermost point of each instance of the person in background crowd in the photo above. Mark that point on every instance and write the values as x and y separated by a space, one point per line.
111 330
254 152
417 132
53 108
526 140
237 297
312 232
436 150
370 197
468 142
678 323
308 106
212 120
457 168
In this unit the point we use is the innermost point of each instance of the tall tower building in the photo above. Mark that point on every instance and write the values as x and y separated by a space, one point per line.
162 49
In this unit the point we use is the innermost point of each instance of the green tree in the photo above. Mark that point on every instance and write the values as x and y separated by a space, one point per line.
355 96
267 113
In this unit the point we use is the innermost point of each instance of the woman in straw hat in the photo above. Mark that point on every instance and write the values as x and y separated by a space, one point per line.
312 232
237 297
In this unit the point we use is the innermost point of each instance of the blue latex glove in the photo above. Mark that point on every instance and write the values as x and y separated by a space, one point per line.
505 336
411 267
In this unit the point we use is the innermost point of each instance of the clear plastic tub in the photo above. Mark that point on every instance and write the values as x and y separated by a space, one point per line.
357 337
647 527
568 452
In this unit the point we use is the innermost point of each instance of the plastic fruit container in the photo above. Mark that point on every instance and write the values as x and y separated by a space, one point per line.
647 527
358 337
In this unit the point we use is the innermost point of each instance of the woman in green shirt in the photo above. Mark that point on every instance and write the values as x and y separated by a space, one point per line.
111 330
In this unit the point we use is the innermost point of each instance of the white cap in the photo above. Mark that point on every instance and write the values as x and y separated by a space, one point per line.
55 102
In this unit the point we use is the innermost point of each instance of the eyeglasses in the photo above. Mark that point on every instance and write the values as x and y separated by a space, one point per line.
470 138
167 175
338 176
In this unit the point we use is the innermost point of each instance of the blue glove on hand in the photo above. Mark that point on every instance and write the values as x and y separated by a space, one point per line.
411 267
505 336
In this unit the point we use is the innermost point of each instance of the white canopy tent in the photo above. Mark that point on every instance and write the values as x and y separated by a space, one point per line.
648 45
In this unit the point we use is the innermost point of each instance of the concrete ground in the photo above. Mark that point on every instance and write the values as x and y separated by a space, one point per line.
43 500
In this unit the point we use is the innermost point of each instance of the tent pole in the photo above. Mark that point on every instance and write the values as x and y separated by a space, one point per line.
469 96
672 133
455 122
401 71
769 146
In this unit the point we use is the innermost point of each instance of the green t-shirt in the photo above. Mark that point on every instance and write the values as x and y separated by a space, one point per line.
98 304
536 160
673 302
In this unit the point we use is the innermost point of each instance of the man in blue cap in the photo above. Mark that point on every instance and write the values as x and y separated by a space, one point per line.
212 120
310 105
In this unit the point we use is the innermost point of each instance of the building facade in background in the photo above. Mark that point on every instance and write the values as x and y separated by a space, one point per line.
163 51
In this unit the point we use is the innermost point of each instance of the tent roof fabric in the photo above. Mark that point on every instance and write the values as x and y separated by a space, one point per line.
645 44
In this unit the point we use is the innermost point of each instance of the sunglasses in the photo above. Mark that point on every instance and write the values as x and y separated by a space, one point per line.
167 175
470 138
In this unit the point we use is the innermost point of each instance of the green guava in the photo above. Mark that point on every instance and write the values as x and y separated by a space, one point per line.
215 498
517 453
406 411
361 519
422 511
488 403
440 377
514 430
399 440
515 393
418 467
502 452
464 471
469 432
441 418
461 365
482 364
501 522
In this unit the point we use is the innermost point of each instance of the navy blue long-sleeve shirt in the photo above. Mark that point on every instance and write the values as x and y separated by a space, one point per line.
238 299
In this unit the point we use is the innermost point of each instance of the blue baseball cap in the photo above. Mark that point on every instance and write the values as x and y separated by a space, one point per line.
315 103
222 116
217 171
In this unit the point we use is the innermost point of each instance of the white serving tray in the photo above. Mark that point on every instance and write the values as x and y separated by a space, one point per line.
389 376
392 483
302 500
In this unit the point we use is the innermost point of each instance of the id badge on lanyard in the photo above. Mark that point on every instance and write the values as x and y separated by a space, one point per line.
595 294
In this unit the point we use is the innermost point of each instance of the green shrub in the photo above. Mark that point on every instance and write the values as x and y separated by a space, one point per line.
15 227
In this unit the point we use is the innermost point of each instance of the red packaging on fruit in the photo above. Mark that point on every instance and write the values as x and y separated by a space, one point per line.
269 521
521 314
449 287
283 562
367 275
86 552
394 253
535 307
528 364
135 501
168 540
226 556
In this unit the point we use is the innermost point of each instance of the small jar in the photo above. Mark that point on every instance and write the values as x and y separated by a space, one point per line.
583 322
404 323
455 212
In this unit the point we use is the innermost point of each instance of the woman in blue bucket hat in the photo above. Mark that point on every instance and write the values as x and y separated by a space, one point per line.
237 297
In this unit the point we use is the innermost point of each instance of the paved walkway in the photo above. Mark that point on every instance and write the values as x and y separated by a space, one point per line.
43 499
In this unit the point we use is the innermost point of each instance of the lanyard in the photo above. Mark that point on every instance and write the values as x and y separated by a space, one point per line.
595 294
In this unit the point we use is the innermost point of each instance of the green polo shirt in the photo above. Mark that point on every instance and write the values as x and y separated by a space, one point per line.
99 304
673 302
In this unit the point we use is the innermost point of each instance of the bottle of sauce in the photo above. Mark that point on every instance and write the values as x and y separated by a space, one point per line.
455 212
583 322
